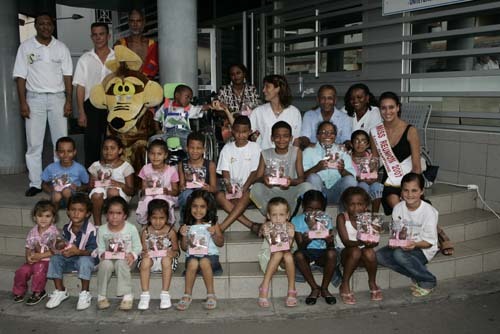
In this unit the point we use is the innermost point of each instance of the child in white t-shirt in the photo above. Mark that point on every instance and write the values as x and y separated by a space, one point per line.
411 260
238 163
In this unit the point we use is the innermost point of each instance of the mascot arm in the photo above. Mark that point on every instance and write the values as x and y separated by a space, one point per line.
98 97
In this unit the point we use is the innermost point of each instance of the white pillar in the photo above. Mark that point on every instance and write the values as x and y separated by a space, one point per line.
12 135
178 42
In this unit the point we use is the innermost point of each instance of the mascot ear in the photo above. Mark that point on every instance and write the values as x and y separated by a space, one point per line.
153 94
98 97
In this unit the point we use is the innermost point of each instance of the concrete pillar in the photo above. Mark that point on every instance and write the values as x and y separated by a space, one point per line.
461 43
178 42
12 137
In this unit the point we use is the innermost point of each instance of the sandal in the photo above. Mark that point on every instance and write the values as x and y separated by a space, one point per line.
184 302
421 292
445 245
211 302
311 299
348 298
291 298
263 301
376 295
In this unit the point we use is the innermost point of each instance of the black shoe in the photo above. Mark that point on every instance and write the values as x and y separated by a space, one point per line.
330 300
32 191
36 298
18 298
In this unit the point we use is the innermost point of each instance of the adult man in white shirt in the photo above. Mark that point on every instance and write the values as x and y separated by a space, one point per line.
90 71
43 70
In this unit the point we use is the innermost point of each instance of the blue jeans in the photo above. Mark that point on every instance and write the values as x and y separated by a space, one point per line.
60 264
374 190
333 194
411 264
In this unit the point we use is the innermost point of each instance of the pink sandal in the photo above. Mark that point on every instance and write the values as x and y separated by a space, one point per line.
263 301
291 298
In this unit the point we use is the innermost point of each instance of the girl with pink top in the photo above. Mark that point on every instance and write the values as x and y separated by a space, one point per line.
39 242
159 180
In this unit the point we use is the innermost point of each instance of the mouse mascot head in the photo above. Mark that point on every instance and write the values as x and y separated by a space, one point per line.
127 95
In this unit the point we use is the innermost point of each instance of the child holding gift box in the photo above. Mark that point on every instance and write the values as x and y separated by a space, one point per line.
159 180
353 252
366 167
61 179
110 177
317 165
193 167
238 161
78 253
39 242
290 183
200 237
321 251
118 246
411 260
159 249
278 213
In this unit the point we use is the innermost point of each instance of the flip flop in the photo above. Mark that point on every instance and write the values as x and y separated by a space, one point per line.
348 298
421 292
376 295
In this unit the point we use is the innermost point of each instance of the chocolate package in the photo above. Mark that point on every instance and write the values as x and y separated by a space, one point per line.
154 185
198 238
277 236
103 177
369 226
275 171
318 222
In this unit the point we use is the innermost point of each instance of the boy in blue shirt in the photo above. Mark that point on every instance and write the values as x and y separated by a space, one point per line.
63 178
76 252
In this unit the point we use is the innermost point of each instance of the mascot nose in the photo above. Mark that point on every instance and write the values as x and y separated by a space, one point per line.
117 123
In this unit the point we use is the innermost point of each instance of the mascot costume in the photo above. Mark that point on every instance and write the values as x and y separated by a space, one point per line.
127 94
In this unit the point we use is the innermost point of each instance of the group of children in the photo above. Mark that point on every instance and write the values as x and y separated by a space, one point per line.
193 186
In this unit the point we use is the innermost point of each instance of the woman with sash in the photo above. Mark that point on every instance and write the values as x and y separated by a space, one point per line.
398 146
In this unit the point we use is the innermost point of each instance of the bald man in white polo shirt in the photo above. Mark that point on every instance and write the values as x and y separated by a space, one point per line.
43 72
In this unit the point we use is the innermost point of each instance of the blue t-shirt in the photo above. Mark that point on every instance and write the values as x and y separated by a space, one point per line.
76 173
301 226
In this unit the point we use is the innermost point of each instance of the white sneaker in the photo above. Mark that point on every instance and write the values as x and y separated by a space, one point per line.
84 300
144 301
165 301
56 298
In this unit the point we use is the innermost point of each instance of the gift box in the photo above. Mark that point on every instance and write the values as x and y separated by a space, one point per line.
195 177
158 245
333 155
277 236
403 232
235 187
369 226
198 239
275 171
103 178
318 222
367 168
115 249
154 185
61 182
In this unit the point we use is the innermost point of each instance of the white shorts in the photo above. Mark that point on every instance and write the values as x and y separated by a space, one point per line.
104 191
